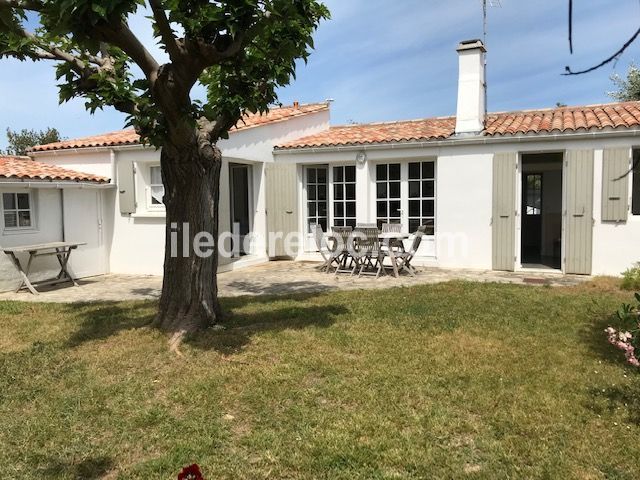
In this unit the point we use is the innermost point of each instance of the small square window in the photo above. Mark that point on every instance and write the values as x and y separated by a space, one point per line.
381 172
17 212
428 170
394 171
338 174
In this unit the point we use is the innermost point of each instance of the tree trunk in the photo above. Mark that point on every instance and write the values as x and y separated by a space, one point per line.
189 300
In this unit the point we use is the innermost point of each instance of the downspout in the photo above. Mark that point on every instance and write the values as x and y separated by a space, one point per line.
112 158
64 227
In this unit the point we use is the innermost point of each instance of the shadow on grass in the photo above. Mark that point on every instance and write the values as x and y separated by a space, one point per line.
88 469
242 327
612 400
98 321
246 287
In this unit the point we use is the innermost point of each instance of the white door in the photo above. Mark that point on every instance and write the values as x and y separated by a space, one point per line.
83 223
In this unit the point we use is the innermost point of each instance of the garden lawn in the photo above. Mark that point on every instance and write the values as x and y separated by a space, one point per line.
457 380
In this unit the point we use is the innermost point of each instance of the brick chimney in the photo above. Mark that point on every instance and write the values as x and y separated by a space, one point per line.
472 88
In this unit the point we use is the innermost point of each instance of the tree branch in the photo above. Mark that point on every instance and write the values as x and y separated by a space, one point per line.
608 60
166 33
121 36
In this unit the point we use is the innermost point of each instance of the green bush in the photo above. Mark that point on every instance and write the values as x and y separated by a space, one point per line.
631 278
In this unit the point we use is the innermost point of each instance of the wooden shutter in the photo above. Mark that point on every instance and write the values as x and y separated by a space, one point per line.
282 204
126 187
504 211
615 185
579 213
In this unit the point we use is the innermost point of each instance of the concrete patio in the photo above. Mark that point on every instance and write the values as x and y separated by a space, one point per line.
278 278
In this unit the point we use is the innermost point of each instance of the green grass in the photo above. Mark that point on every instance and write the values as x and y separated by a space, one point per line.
458 380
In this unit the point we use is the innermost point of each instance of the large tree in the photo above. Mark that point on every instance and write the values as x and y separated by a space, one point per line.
20 142
240 50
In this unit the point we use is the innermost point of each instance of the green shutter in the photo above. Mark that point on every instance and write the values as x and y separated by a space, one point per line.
579 213
615 185
126 187
504 211
282 204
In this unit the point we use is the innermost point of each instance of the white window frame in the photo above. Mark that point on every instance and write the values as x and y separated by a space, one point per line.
404 191
148 187
31 210
422 198
332 202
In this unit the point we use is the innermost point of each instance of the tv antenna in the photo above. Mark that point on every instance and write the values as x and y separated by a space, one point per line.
486 4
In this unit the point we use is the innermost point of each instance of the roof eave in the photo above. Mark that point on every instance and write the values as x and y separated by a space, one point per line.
475 140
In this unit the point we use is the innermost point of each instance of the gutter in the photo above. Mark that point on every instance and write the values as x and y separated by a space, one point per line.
81 150
460 141
54 184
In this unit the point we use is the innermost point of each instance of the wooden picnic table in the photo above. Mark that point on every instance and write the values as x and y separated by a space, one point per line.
61 250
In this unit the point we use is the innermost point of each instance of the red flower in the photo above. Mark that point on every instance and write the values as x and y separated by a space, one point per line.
191 473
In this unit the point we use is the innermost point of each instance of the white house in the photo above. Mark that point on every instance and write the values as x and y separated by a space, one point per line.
534 189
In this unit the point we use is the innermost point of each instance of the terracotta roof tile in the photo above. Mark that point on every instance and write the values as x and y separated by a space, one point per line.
26 169
526 122
130 137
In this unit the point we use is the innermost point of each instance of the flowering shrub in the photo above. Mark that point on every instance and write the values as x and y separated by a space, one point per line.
627 338
191 473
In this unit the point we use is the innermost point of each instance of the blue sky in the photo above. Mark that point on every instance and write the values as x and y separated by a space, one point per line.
391 60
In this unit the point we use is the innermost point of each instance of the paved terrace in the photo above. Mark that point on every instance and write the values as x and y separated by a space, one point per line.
277 278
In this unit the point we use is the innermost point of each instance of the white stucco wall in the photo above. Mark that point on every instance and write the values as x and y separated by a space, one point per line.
135 243
48 228
616 246
464 197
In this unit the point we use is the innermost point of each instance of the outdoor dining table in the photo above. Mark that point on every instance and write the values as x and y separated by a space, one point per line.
61 250
387 239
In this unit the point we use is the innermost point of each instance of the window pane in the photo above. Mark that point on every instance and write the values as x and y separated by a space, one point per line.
351 191
351 209
338 192
413 224
311 175
428 208
635 204
394 189
322 209
338 209
351 223
414 208
414 171
157 194
312 192
338 174
428 170
338 223
156 175
350 173
394 171
24 219
394 209
322 192
322 175
381 209
9 201
311 209
428 188
381 190
381 172
23 201
323 224
431 227
10 220
414 189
